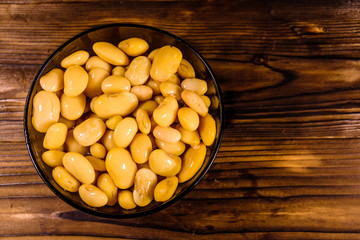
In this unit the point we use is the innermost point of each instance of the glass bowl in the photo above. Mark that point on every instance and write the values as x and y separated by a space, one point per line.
114 33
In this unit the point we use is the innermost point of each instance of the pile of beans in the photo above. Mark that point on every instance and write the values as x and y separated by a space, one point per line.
123 126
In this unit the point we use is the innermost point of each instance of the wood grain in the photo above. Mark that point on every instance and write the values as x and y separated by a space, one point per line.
288 166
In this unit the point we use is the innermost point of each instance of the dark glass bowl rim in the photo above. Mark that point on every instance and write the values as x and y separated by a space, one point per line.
137 214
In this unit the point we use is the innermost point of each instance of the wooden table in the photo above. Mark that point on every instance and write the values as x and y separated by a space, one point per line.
288 166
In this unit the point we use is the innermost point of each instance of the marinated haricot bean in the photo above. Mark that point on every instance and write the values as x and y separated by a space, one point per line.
165 114
145 182
206 100
174 79
168 88
110 53
163 164
155 85
142 92
118 71
97 163
194 101
126 200
117 122
125 131
96 78
115 84
153 53
165 189
55 136
90 131
134 46
172 148
121 167
185 69
53 158
106 184
53 81
113 121
143 121
166 62
107 105
191 138
92 195
98 150
207 129
76 58
138 71
149 106
167 134
97 62
65 179
159 99
141 148
72 108
108 140
188 118
79 167
192 161
75 80
46 110
196 85
73 146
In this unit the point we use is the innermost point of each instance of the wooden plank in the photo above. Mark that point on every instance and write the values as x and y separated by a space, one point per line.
268 30
255 215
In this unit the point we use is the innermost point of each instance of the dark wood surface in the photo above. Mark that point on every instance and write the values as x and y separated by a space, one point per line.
288 166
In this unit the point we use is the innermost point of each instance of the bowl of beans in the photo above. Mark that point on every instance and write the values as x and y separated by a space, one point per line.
123 120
